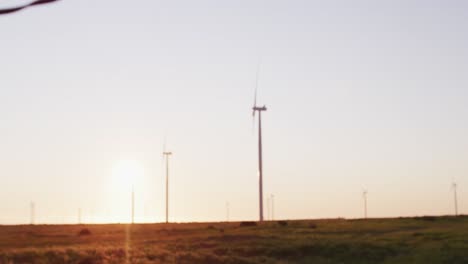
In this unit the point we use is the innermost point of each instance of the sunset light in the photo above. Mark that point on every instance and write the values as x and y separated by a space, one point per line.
233 131
127 173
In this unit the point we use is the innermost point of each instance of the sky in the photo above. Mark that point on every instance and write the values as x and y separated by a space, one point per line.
361 95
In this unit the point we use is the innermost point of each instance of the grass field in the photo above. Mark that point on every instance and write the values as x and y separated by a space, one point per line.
397 240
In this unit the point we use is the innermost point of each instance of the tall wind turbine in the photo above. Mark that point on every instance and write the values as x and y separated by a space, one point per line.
166 155
364 196
455 198
258 109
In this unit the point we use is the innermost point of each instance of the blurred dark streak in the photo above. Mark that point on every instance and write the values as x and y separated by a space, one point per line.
15 9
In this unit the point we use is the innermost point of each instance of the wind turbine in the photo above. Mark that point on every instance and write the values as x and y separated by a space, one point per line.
268 208
258 109
272 199
227 211
455 198
364 196
166 155
79 216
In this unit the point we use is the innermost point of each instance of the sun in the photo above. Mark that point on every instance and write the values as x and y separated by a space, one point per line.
126 179
126 173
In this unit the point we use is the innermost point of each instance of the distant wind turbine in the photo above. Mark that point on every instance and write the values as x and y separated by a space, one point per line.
133 205
272 199
455 198
166 155
268 208
258 109
32 213
364 196
79 216
227 211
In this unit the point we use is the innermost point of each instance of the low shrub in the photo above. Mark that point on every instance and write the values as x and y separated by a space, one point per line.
282 223
84 232
248 223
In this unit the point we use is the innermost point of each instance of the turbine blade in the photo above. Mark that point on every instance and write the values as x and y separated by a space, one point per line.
255 95
253 122
163 151
15 9
256 83
10 10
257 73
40 2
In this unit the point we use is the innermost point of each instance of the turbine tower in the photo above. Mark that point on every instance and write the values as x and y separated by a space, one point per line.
364 196
455 198
166 154
258 109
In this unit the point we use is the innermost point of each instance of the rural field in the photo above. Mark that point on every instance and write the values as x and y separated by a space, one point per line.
393 240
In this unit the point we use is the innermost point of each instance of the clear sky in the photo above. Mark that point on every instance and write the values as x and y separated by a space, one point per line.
360 95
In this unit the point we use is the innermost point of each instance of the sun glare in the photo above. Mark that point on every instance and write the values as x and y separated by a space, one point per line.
126 179
126 173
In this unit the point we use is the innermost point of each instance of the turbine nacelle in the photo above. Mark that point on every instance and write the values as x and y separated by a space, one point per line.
258 108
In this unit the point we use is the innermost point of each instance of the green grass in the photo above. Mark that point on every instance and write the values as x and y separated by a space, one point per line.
398 240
